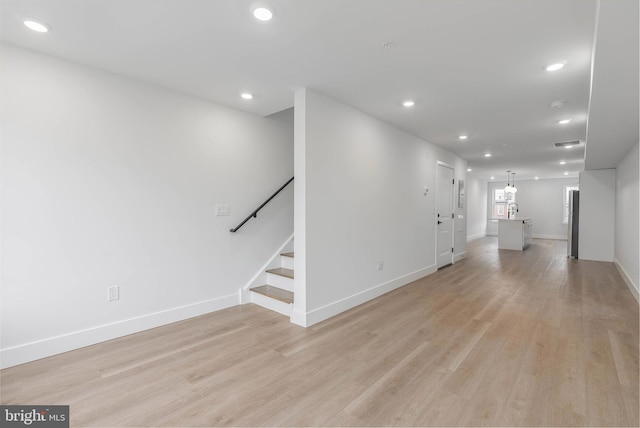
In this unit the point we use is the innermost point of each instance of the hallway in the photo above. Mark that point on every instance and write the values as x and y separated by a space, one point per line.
500 338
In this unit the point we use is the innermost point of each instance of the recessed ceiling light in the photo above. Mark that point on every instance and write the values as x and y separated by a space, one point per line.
262 13
535 178
564 121
246 96
563 162
492 178
409 103
37 26
566 173
554 67
487 155
463 137
469 170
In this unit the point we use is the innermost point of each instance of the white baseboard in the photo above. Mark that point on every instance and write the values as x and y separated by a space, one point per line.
627 280
299 318
476 236
327 311
560 237
27 352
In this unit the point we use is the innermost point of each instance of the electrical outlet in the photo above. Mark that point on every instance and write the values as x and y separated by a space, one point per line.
113 293
380 265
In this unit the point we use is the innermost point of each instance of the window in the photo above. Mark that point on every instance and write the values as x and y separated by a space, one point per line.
565 207
500 202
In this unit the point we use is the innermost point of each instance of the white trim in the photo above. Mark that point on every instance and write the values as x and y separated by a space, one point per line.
459 256
560 237
271 304
287 262
27 352
476 236
452 210
298 318
627 280
280 281
327 311
260 277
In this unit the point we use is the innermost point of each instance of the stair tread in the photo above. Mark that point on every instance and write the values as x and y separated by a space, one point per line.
282 272
289 254
275 293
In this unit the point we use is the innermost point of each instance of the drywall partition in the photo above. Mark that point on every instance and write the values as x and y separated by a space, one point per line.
299 313
597 214
106 181
627 231
544 201
369 224
476 208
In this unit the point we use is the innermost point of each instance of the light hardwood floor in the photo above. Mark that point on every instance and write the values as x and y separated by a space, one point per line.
502 338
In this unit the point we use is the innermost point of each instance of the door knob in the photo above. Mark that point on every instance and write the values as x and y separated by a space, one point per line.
439 222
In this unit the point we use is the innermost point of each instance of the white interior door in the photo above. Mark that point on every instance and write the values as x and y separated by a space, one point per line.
444 216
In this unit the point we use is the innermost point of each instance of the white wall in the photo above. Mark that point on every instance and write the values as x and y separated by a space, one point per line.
597 214
364 202
106 181
299 313
542 200
627 231
476 208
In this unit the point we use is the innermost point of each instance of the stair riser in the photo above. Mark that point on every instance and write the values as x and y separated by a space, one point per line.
280 281
272 304
286 262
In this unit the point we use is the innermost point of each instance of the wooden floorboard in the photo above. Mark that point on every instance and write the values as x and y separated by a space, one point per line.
274 293
501 338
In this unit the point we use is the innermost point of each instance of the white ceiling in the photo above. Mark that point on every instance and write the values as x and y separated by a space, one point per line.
613 112
472 66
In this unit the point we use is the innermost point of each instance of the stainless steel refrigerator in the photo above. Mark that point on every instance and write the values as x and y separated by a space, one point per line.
574 222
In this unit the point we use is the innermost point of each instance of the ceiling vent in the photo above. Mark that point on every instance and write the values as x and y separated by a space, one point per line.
567 144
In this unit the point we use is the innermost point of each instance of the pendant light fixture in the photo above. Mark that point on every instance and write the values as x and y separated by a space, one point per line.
511 185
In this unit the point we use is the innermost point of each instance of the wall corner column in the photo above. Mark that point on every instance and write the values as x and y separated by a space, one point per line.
299 314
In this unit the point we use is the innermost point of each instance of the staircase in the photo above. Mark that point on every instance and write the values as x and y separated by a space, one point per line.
277 293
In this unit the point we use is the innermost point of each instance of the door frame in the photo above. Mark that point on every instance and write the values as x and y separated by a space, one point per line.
435 222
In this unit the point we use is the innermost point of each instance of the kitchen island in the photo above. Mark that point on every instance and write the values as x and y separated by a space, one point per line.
515 233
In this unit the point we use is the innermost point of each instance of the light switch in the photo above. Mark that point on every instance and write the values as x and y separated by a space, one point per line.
223 210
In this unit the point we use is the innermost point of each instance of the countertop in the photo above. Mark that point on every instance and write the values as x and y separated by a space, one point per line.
516 219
